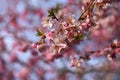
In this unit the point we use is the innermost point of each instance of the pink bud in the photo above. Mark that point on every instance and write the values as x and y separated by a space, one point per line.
50 56
84 25
33 45
34 53
87 20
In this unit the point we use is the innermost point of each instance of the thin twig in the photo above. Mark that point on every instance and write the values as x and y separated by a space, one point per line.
86 9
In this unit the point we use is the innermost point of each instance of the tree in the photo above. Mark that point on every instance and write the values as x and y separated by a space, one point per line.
77 40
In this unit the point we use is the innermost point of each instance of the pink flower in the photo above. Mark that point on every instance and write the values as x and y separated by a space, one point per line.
49 55
69 18
34 45
76 62
47 22
61 47
50 35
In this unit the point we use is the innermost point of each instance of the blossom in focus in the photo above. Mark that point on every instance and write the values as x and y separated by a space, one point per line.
47 22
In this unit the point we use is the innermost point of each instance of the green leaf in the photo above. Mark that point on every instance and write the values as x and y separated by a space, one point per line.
50 13
79 37
57 8
39 33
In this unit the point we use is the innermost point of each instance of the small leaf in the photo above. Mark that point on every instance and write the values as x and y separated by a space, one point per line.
79 37
57 8
51 13
39 33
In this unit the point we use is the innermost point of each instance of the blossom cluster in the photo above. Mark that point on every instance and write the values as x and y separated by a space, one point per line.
60 32
82 33
112 53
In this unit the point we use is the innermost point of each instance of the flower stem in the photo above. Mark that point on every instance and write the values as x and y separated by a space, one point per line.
91 3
